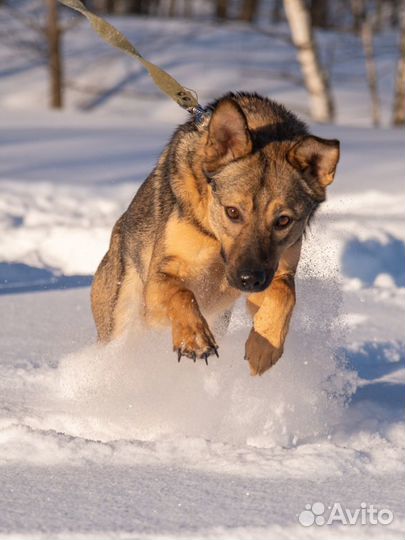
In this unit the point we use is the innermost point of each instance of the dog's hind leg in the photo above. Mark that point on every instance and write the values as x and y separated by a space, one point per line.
116 292
106 287
127 308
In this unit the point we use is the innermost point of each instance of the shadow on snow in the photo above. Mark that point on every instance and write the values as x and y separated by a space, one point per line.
19 278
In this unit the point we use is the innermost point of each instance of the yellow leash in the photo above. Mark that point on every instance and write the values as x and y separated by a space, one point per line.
187 99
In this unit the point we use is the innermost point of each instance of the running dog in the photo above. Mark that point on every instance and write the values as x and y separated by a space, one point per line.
222 214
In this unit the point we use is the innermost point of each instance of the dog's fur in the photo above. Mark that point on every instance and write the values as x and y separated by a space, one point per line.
223 212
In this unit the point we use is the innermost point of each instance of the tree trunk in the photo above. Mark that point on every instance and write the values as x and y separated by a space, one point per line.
365 26
110 7
316 82
152 7
358 11
398 117
368 47
249 9
319 13
221 9
136 7
54 56
378 23
188 9
172 8
397 7
276 11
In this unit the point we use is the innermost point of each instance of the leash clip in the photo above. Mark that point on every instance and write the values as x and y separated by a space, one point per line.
200 114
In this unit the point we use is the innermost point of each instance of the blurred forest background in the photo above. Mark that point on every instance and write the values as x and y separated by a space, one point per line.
38 27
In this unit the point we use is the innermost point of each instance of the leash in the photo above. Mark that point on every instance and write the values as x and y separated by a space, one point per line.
184 97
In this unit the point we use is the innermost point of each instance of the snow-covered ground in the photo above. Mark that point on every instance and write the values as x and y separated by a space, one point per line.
124 442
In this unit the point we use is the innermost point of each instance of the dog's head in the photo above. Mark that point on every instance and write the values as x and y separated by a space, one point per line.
265 183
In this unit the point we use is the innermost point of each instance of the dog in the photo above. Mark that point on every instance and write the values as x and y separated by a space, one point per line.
222 214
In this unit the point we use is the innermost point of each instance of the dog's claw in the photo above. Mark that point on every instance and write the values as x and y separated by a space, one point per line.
193 355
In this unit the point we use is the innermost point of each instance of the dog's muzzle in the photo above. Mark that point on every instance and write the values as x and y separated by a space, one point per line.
249 280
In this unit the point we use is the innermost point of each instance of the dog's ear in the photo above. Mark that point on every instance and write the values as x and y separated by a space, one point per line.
315 158
228 135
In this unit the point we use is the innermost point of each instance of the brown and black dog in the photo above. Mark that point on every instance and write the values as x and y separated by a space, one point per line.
223 213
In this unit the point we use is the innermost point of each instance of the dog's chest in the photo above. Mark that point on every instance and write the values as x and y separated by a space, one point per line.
199 264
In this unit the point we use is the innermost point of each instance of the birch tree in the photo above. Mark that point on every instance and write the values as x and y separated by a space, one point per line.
315 79
367 38
365 24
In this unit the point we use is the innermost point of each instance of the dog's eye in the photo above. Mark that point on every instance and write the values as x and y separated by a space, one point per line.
282 222
232 212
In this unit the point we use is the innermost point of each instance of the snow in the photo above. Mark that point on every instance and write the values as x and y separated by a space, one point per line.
122 441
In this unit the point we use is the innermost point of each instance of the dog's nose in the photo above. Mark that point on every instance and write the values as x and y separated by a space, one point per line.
254 280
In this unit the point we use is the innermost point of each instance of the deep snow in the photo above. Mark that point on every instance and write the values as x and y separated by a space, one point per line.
122 441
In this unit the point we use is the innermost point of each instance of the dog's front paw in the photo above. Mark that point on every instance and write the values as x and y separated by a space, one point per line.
260 353
194 339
